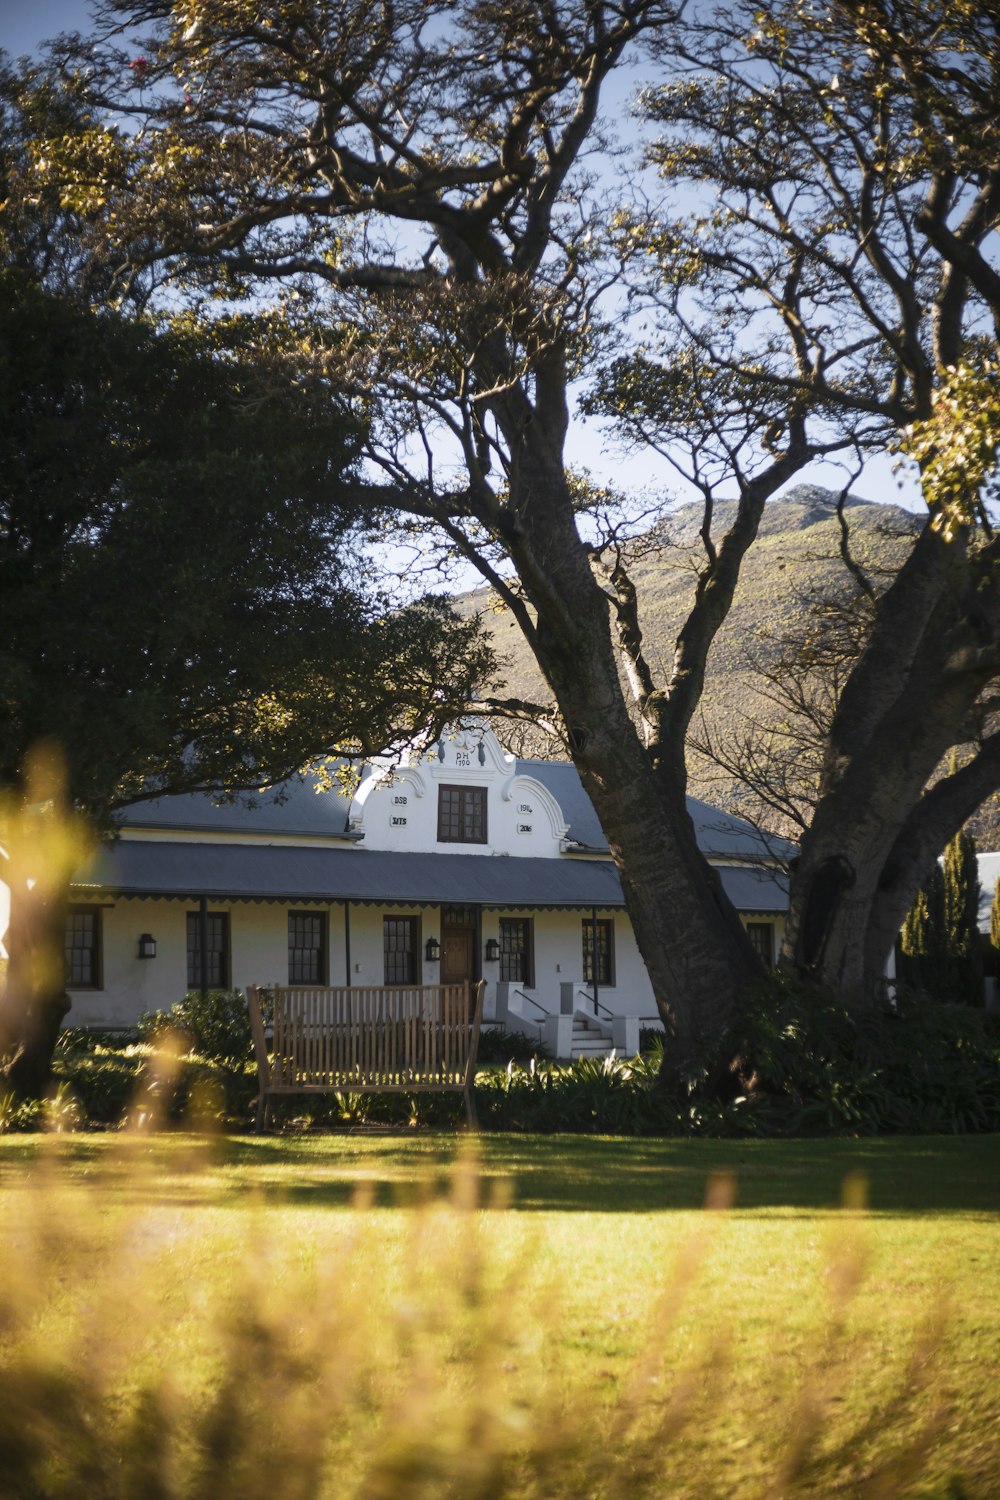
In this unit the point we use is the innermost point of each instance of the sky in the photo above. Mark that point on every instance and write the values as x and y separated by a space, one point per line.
25 24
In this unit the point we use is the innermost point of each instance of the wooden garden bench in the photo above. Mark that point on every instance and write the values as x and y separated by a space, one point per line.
403 1039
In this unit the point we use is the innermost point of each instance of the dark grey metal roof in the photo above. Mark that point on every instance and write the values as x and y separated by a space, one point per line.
293 808
755 891
719 833
261 872
296 808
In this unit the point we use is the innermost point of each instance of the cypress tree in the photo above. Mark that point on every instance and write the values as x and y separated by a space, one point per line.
922 960
963 962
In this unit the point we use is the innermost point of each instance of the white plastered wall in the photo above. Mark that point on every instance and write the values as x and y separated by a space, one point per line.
259 952
558 958
397 808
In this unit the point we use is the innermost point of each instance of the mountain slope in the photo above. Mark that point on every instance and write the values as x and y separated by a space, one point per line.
794 564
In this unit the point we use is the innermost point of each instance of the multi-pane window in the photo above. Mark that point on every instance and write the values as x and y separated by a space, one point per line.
598 951
761 935
462 815
216 974
401 949
306 947
515 950
83 948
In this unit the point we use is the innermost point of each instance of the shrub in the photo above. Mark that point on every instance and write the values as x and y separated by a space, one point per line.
104 1077
806 1066
60 1111
19 1114
216 1025
915 1065
106 1080
497 1045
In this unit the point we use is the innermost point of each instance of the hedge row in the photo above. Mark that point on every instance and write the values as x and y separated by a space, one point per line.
798 1065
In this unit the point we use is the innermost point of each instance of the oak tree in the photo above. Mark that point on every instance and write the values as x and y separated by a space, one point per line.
417 187
425 189
833 264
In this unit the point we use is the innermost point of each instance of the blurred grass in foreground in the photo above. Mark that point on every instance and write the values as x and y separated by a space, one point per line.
186 1318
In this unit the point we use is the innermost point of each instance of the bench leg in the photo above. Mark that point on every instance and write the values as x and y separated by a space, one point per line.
470 1110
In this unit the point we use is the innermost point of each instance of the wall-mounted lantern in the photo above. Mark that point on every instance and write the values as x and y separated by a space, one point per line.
432 950
492 950
147 946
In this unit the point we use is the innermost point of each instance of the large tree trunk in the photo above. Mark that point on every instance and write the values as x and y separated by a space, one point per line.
899 715
35 1001
691 940
693 944
45 842
937 818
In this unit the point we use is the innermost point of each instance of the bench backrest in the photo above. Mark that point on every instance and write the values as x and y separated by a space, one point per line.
334 1035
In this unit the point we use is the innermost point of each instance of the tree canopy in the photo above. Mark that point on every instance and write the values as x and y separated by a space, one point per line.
184 601
411 185
423 190
180 600
837 275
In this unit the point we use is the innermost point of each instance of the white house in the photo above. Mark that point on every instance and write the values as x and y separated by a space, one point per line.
463 863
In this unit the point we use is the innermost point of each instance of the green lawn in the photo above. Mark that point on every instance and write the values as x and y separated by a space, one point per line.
387 1317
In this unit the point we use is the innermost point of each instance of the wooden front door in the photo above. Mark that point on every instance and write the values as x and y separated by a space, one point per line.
456 953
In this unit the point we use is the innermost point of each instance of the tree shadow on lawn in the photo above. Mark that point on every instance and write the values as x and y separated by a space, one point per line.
906 1175
610 1176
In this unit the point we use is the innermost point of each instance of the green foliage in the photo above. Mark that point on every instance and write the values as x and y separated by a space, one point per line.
922 942
114 1076
813 1067
956 447
803 1066
940 945
498 1045
603 1096
241 648
806 1065
17 1115
215 1025
961 917
61 1111
104 1078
